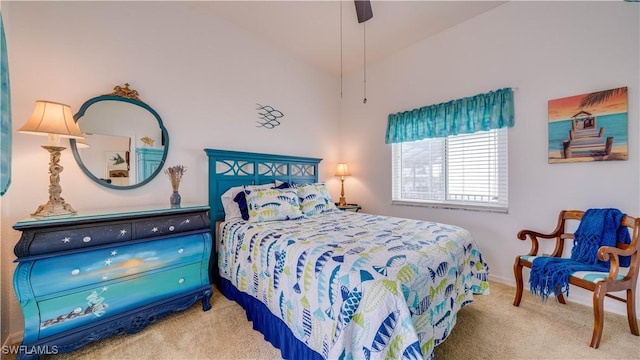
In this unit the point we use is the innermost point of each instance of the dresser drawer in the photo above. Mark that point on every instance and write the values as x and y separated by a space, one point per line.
56 274
166 225
83 307
77 237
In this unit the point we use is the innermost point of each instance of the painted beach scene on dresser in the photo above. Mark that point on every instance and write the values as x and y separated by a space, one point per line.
107 267
589 127
95 306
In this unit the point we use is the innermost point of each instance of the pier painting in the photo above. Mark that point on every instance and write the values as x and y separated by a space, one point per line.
589 127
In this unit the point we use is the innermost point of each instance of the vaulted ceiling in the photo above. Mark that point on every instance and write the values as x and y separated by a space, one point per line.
311 30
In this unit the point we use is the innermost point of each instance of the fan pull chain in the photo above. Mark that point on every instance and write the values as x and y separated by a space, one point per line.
364 101
340 50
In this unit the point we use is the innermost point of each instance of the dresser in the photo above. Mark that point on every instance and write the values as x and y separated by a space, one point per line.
85 277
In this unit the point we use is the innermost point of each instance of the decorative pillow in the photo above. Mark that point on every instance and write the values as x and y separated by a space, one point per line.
241 200
241 197
282 185
315 199
273 204
231 209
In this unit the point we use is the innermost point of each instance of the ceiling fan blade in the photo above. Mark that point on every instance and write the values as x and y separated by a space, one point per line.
363 9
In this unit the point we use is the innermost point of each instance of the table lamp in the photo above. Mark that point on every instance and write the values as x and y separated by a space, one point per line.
342 170
82 144
56 121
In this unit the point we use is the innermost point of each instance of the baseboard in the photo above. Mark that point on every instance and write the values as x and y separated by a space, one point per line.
585 298
502 280
13 339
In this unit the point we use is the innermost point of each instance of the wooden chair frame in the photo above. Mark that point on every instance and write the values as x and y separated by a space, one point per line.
600 289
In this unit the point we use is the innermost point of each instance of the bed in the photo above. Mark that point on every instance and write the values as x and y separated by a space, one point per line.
321 283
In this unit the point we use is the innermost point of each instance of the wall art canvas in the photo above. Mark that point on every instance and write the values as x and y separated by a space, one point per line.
116 162
117 172
589 127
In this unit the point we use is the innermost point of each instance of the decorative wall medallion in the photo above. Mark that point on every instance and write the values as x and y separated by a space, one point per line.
125 92
147 141
268 116
589 127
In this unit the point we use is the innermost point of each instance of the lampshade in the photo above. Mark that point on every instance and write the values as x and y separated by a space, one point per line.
82 144
52 118
342 170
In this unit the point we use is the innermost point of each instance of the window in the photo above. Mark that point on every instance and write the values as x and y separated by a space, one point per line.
453 154
466 171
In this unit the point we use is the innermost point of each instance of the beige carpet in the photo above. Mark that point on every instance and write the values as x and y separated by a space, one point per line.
490 328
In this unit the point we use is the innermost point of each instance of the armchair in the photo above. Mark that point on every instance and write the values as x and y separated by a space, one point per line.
600 283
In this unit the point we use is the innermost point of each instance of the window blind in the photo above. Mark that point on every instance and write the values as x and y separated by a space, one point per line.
462 171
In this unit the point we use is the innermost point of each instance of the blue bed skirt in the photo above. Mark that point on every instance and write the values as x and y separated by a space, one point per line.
273 328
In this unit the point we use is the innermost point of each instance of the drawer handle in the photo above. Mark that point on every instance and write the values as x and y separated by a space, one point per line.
180 251
75 271
86 239
171 228
181 280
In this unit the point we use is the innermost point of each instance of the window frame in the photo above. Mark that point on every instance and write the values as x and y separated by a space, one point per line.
501 162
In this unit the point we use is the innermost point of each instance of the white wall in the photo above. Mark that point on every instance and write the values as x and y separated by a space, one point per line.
547 50
203 76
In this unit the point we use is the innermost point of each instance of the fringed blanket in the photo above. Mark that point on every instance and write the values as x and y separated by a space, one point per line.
598 227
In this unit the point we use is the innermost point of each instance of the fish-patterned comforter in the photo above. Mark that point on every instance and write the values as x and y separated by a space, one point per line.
357 286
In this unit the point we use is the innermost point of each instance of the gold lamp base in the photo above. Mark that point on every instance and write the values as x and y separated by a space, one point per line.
50 209
343 200
56 205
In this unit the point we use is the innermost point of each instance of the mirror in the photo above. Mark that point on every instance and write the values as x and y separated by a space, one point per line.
125 143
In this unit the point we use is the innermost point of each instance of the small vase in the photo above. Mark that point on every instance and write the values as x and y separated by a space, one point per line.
175 199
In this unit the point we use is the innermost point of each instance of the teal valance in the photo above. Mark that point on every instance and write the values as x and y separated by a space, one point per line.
481 112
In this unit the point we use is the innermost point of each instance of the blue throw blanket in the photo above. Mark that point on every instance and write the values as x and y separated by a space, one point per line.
598 227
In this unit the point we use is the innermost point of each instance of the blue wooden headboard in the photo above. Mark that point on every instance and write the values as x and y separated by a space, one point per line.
235 168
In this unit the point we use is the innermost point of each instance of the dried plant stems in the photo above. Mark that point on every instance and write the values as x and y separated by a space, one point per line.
175 175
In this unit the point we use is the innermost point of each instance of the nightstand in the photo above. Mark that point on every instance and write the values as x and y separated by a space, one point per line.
349 207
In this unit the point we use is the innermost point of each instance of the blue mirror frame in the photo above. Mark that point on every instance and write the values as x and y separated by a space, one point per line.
136 102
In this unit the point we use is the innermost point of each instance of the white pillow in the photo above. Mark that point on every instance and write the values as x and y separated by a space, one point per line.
273 204
231 209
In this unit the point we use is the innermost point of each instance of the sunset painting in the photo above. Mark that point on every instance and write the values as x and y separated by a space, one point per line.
589 127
